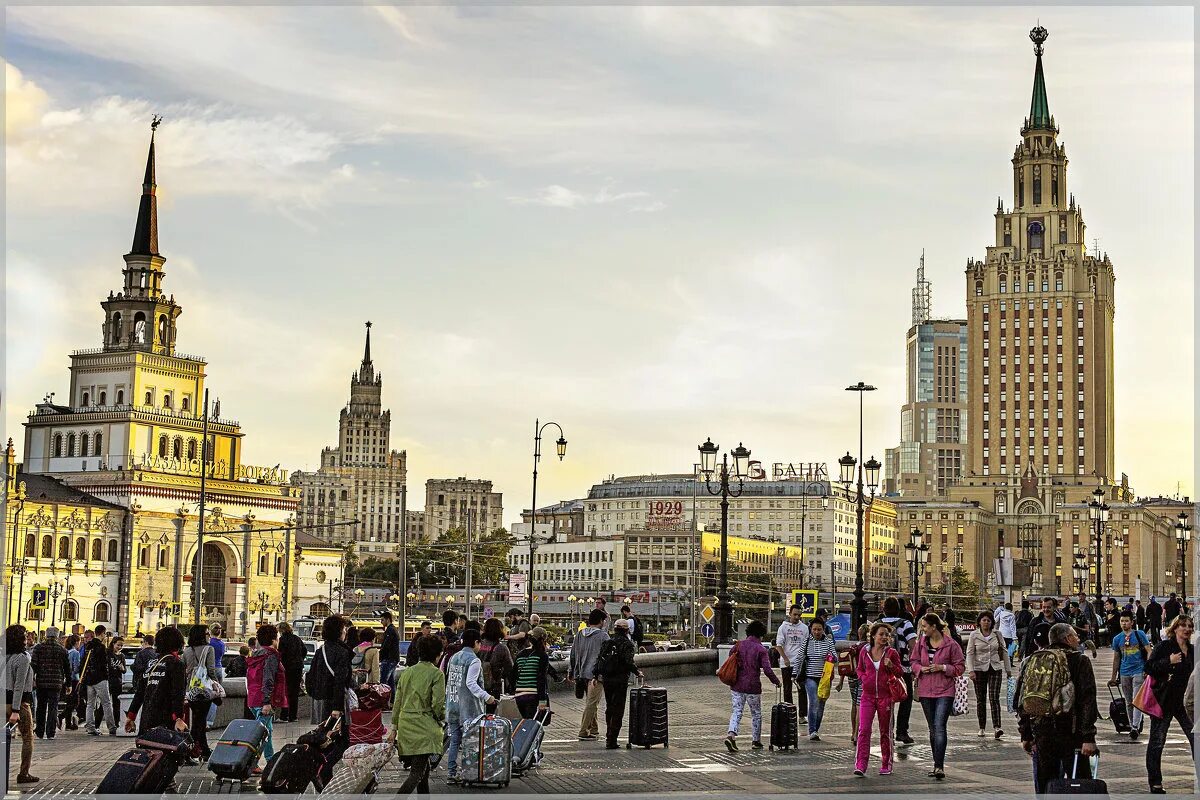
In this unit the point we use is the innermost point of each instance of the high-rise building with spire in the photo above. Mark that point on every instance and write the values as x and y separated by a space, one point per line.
933 419
358 492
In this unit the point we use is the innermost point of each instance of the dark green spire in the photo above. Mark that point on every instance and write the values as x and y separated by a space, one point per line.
145 232
1039 106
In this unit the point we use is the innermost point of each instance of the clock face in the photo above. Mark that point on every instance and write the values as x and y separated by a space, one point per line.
1035 227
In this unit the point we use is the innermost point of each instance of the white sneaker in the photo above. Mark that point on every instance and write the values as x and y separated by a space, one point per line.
982 732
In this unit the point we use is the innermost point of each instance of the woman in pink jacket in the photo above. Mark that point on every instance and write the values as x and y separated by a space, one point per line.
877 664
937 661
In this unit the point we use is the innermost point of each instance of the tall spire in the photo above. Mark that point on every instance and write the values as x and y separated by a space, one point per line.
145 235
1039 105
366 371
367 350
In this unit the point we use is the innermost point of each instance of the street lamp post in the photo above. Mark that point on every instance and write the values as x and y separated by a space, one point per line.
1079 569
916 552
1183 535
561 446
708 465
1098 510
847 463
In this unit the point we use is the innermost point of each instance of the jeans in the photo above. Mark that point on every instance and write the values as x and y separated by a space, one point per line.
98 695
268 722
528 705
816 708
588 725
870 706
418 777
789 676
615 695
47 712
1129 689
987 688
937 711
1055 758
740 701
1158 738
454 729
904 709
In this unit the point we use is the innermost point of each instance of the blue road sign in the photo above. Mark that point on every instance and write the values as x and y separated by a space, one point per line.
807 600
707 630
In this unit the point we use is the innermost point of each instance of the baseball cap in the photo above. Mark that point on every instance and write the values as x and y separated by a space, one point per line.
622 623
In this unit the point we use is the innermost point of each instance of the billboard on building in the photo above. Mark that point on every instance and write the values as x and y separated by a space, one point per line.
665 515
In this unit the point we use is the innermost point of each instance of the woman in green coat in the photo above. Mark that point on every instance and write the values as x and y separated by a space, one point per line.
419 713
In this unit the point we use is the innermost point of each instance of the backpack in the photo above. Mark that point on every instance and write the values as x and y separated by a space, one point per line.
314 681
604 659
1046 687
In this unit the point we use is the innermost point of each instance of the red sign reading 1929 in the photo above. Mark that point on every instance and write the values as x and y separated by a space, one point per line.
664 514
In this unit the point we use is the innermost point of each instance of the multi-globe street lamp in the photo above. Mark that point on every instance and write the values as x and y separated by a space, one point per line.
1183 535
1098 510
561 446
916 552
708 466
861 502
1079 569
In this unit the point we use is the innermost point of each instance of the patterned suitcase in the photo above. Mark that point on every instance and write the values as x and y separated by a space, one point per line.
487 751
647 717
140 771
358 770
785 726
238 750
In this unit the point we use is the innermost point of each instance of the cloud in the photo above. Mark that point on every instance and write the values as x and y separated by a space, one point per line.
24 102
557 196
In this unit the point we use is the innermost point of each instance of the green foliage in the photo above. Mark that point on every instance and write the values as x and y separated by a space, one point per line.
443 562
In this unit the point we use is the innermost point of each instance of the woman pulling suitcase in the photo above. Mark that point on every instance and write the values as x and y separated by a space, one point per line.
752 660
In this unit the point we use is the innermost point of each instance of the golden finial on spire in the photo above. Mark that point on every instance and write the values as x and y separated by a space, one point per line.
1038 36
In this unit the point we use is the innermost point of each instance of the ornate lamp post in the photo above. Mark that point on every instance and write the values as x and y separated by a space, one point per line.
916 552
708 466
561 447
1098 510
1079 569
1183 535
859 606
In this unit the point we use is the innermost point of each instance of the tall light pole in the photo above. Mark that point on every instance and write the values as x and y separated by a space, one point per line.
916 552
847 463
561 444
1183 535
1098 510
708 465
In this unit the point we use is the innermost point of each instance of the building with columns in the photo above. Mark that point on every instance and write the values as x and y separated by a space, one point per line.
359 492
133 497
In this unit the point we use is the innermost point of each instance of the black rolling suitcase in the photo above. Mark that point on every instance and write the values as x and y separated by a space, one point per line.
1074 785
1118 713
785 728
149 768
238 750
647 716
292 769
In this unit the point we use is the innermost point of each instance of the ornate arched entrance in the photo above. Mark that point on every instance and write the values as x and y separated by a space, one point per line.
216 595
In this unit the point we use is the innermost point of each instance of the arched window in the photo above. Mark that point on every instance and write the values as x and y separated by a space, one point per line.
97 443
58 445
162 446
149 398
70 445
278 565
81 549
97 550
103 399
101 612
262 565
184 405
318 610
1037 185
120 397
116 327
163 555
177 448
64 548
191 448
30 544
70 611
83 444
86 398
167 400
112 550
144 556
162 329
47 547
139 326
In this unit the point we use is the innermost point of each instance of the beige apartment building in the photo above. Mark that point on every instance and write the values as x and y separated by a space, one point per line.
461 503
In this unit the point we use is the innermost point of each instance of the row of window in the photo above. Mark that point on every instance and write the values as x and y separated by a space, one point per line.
64 548
71 444
175 448
70 612
163 560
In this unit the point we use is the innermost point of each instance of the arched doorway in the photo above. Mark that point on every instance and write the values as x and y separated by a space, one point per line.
213 581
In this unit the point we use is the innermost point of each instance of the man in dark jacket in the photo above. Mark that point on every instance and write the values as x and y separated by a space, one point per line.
1171 609
617 653
1037 635
51 678
142 661
1154 619
1052 739
1024 617
94 680
389 650
292 653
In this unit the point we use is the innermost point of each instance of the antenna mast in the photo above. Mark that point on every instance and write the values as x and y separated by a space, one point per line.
922 296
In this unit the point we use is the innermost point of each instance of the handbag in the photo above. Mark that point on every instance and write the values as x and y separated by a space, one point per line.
199 687
897 689
803 674
826 682
962 689
728 672
351 697
1146 702
581 686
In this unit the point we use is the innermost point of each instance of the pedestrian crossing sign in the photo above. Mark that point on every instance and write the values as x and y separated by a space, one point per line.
807 600
40 599
176 610
707 614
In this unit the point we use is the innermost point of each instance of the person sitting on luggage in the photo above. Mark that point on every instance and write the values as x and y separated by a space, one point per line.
530 674
418 715
1050 735
614 665
160 693
466 696
266 686
1132 650
752 658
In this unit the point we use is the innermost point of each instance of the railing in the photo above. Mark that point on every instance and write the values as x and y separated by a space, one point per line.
170 415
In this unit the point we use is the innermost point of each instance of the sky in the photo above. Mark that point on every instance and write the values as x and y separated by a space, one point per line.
650 225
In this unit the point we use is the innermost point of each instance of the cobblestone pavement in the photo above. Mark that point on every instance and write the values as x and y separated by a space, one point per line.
696 760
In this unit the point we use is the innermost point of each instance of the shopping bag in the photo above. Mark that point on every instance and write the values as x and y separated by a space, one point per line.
826 682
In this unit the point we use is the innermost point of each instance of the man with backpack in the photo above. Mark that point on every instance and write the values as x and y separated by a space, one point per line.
1056 708
614 665
1132 649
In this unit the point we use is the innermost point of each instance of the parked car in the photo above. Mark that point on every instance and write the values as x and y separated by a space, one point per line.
669 645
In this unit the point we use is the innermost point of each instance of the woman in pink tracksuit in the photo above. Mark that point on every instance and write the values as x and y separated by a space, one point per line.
876 663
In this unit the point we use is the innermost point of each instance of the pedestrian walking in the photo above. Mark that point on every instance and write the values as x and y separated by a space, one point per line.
1171 608
904 636
1139 616
418 714
789 644
142 659
389 650
751 659
497 658
988 666
292 653
1112 620
530 674
819 649
937 663
881 676
1170 666
1132 651
581 667
18 696
52 680
116 676
160 694
466 696
1154 620
863 637
615 663
218 646
94 679
1024 618
329 676
1054 728
266 686
199 653
1006 624
1037 634
74 659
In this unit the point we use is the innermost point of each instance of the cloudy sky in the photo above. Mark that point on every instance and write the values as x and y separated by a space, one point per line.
652 225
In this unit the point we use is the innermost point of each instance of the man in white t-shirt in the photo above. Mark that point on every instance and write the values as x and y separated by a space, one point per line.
789 643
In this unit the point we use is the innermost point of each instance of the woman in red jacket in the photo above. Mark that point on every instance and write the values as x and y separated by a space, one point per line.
937 662
878 671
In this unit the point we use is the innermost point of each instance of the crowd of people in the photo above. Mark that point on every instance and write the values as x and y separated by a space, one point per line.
1020 664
